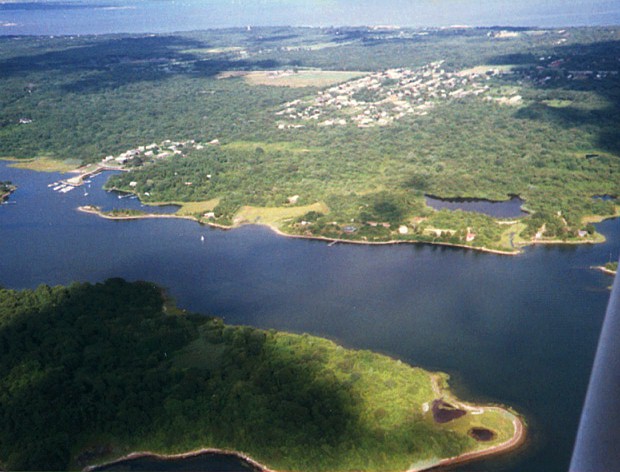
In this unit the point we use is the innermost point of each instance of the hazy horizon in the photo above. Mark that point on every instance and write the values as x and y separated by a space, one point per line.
159 16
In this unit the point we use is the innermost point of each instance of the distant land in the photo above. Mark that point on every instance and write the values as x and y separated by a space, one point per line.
69 17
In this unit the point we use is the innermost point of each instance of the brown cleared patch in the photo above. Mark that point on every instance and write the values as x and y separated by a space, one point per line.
294 78
444 412
481 434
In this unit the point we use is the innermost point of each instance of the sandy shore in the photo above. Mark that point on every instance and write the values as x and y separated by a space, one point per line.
101 214
514 442
561 241
95 211
185 455
604 270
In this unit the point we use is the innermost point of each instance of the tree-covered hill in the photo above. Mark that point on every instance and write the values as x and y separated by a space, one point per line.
92 372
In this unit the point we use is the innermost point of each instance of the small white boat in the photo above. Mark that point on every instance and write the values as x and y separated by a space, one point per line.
202 238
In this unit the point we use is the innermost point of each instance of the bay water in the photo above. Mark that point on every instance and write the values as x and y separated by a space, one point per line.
520 331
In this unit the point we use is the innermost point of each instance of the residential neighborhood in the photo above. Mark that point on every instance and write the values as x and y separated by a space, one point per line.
380 98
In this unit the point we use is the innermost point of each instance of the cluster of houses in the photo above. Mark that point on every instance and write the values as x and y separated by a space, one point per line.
153 151
381 98
164 149
552 69
135 156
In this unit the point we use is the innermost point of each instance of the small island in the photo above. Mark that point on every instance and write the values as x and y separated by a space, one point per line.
116 368
610 268
6 189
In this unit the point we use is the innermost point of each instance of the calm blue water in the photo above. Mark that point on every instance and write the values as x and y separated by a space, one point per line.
515 330
506 209
58 17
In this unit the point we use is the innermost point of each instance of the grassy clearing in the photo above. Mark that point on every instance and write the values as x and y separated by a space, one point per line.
497 420
274 216
301 78
481 69
192 208
320 46
598 218
558 103
252 146
221 50
45 164
513 232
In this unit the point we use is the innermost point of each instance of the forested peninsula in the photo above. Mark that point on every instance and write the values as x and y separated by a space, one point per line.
91 373
336 133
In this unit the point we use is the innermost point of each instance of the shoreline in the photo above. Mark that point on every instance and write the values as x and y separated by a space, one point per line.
4 196
183 455
94 211
604 269
513 443
279 232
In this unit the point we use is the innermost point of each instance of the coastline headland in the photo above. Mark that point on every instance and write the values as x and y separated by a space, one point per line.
518 249
185 455
443 395
95 211
605 270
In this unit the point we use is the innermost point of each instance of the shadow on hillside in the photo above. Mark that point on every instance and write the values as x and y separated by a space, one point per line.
575 68
94 361
115 62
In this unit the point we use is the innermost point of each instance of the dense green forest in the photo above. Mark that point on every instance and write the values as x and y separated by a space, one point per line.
528 112
92 372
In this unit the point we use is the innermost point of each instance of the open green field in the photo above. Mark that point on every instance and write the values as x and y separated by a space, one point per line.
275 216
44 164
117 368
197 209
